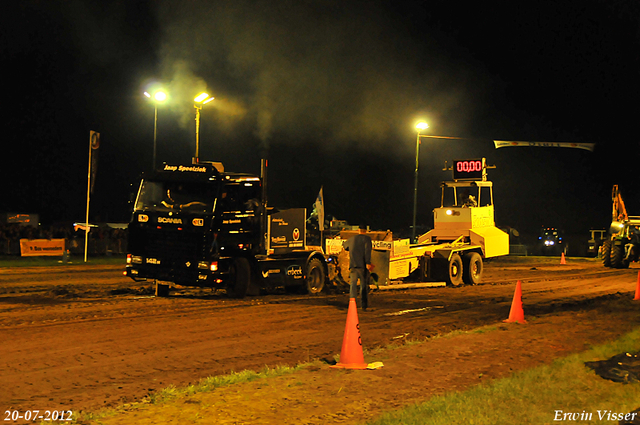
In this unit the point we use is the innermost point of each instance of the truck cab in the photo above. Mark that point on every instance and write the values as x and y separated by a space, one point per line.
198 225
185 218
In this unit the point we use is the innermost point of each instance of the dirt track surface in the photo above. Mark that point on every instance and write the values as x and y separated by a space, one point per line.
85 337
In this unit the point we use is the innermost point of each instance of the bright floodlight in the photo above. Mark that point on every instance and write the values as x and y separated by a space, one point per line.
422 125
203 98
160 96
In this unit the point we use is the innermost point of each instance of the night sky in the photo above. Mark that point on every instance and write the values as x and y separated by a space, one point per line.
329 91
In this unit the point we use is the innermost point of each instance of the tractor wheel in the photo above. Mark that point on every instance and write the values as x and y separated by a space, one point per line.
617 257
606 253
239 278
472 268
454 277
316 277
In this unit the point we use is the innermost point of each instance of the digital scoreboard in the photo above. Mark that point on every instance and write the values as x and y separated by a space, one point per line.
468 169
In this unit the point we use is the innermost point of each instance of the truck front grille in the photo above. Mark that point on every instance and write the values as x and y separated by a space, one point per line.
174 245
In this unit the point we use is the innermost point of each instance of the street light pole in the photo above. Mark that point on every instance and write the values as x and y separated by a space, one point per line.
419 126
200 100
198 109
155 136
158 97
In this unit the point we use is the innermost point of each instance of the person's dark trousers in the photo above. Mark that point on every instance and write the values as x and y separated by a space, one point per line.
361 275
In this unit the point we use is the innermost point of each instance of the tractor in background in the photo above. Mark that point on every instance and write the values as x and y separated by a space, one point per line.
551 241
622 246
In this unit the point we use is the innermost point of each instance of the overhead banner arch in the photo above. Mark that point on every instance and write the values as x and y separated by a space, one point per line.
574 145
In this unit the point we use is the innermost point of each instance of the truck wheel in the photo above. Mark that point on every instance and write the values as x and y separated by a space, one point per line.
617 257
316 277
606 253
239 277
162 290
472 268
454 277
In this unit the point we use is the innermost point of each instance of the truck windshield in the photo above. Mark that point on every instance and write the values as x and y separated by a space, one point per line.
164 196
466 196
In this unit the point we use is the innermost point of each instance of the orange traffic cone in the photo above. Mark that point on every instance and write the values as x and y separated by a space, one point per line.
351 356
637 297
516 314
562 260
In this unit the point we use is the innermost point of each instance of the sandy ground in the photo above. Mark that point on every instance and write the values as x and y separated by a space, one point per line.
84 337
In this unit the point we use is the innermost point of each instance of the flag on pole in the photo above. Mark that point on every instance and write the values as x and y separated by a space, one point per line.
95 144
319 205
506 143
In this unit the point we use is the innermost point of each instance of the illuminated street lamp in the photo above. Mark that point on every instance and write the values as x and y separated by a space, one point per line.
158 97
420 126
200 100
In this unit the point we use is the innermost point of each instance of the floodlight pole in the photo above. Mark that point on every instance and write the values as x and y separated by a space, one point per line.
200 100
415 190
155 135
86 229
158 97
198 109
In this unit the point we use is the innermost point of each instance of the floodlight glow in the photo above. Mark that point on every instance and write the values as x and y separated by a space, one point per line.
422 125
201 97
160 96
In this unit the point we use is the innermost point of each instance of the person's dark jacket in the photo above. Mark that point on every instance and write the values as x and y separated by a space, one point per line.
359 247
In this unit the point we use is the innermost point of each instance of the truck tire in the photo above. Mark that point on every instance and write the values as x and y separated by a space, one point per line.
454 275
162 289
606 253
472 268
239 277
617 257
316 277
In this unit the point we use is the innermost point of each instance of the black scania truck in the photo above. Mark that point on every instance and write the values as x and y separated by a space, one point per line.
197 225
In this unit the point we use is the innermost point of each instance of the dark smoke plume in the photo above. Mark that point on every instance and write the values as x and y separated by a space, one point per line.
344 70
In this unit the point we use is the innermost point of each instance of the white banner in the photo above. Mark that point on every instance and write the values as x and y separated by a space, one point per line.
506 143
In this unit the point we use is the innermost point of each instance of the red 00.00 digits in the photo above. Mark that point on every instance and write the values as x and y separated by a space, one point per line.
469 166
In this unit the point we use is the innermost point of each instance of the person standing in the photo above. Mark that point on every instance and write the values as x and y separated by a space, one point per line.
359 247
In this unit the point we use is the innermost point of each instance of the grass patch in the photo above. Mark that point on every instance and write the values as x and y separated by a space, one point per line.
534 396
74 260
204 385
